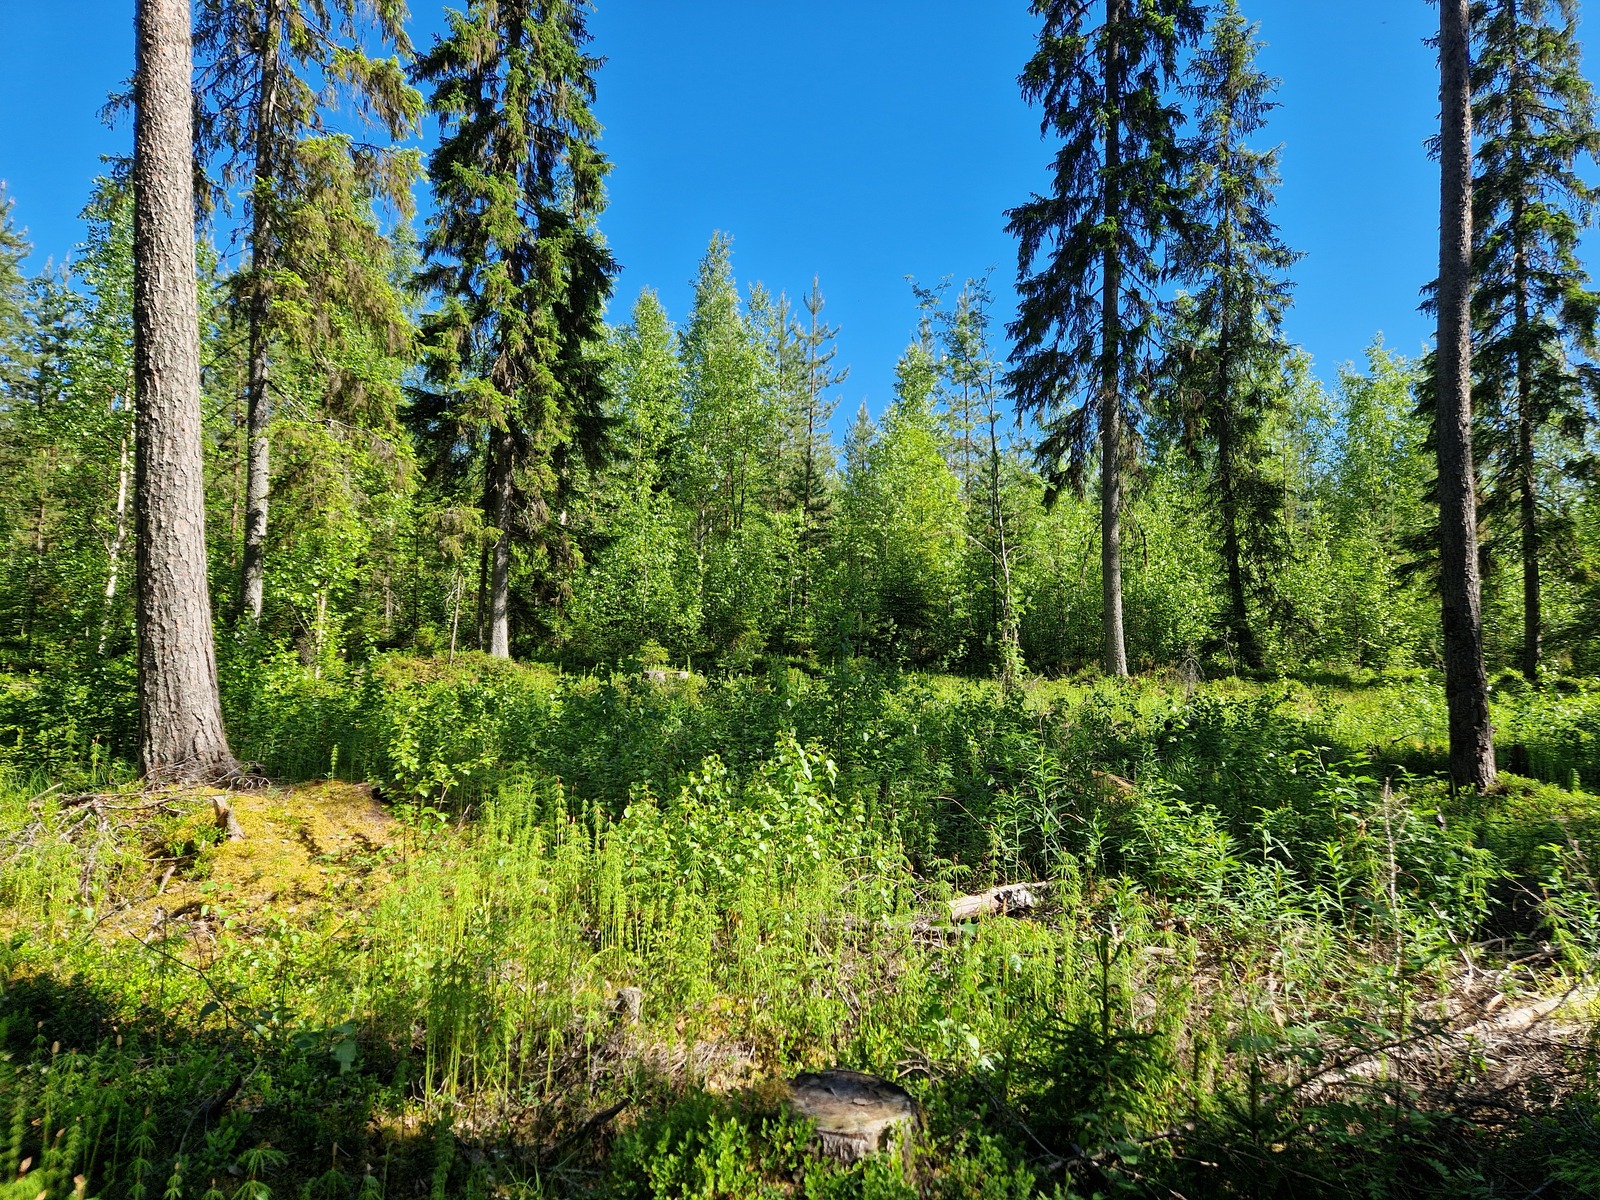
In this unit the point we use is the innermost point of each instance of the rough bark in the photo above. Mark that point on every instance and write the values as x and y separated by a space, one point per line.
502 451
180 717
258 420
1466 685
1116 654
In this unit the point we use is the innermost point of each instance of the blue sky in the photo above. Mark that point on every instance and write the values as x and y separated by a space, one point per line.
860 141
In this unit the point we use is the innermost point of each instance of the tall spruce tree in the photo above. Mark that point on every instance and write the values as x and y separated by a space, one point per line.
180 714
1225 365
269 71
1533 311
1472 761
1085 329
522 273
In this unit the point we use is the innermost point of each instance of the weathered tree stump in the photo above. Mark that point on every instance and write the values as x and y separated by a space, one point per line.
856 1115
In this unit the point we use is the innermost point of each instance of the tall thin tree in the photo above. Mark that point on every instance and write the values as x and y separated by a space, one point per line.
1472 762
1086 321
1224 370
270 68
1533 311
180 715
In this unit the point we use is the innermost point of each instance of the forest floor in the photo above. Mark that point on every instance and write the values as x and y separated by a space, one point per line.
1254 969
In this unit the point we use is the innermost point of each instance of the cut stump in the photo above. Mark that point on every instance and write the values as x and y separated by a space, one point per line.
856 1115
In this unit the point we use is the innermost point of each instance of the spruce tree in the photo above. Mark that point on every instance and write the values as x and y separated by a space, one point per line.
269 71
1533 311
1224 370
517 381
1090 252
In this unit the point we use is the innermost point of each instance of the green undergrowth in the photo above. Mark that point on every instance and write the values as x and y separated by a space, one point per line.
1245 898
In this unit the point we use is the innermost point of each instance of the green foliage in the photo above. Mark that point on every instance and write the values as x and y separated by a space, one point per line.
516 384
1533 309
763 857
1227 351
899 534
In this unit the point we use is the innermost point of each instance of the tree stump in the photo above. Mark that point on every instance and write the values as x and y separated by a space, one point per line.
856 1115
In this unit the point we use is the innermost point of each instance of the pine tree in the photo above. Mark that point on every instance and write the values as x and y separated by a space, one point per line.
521 270
1533 311
1086 321
1472 761
180 713
1224 369
268 69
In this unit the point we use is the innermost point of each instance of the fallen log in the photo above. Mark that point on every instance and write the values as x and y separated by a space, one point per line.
1013 897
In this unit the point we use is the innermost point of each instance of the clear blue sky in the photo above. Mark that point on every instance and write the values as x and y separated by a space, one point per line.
861 141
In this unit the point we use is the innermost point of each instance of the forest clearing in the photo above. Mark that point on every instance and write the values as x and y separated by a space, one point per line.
1270 953
466 735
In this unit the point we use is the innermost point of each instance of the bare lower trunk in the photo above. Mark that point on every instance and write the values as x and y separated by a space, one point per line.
1466 686
500 459
1527 481
1244 636
258 421
1532 589
180 717
1116 654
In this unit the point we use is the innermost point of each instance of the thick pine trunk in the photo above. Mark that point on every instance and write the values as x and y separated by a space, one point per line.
1466 686
1115 648
258 420
501 454
180 717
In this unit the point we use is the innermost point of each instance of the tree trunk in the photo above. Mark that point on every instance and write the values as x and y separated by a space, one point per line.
180 716
501 448
1116 654
258 422
1532 589
1233 556
1527 480
1466 685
